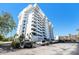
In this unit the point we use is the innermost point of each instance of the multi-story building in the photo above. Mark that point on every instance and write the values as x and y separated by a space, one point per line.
34 23
74 38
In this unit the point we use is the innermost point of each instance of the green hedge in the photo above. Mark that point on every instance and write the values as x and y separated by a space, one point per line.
3 38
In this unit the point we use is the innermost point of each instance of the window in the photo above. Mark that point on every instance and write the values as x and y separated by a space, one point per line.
23 27
34 22
33 25
39 29
22 30
24 21
25 17
39 35
36 11
24 24
33 33
33 29
44 32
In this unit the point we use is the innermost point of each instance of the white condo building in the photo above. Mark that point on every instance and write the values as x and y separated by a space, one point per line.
33 22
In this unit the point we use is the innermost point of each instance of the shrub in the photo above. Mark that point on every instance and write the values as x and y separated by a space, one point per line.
5 39
15 44
1 37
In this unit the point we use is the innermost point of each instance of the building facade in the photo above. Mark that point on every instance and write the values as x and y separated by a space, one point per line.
34 23
72 38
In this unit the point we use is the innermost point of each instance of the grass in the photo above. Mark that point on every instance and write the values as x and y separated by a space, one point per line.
1 42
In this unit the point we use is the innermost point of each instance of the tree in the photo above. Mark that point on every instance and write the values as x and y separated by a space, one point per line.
15 35
7 23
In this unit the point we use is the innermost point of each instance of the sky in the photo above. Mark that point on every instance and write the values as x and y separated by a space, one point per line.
64 16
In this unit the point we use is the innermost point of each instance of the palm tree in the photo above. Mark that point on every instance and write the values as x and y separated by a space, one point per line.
21 39
7 23
70 37
77 33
